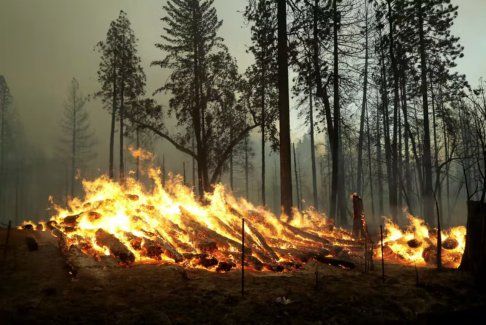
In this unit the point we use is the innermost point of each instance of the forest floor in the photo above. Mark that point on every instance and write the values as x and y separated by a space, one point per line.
36 288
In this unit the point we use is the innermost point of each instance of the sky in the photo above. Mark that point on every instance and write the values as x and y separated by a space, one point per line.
45 43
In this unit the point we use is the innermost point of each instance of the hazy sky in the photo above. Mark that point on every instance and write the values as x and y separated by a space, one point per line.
44 43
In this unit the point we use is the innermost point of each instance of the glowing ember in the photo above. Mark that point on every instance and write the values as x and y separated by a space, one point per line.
167 224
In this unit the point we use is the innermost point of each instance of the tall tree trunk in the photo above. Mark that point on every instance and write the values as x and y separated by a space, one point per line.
193 168
393 185
368 133
386 124
428 193
313 147
263 133
298 198
231 172
283 103
363 109
247 191
196 114
379 163
73 148
111 167
406 137
438 186
122 122
337 169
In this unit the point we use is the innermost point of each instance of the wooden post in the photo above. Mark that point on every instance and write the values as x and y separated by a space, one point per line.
382 256
242 256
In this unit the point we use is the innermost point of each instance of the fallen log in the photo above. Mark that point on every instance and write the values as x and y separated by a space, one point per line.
261 240
116 247
307 235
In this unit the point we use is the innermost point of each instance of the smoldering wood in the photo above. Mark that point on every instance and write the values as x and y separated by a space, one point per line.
116 247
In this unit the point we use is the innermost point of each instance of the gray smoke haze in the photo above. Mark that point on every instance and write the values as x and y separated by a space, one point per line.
45 43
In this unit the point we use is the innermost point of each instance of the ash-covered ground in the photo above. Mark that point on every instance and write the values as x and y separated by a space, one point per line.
36 288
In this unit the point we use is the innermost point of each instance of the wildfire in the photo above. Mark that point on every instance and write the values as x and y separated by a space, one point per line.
418 243
168 224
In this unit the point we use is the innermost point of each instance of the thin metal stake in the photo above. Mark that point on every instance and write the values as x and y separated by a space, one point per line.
382 256
242 256
366 256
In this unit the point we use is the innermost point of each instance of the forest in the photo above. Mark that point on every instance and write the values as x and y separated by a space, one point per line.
329 151
375 84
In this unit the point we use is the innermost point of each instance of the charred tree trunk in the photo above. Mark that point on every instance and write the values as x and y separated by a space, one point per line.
313 148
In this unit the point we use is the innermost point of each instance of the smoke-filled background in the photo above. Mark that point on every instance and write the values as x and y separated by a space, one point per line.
44 44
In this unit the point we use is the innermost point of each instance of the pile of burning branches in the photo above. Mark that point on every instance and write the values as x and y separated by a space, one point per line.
167 224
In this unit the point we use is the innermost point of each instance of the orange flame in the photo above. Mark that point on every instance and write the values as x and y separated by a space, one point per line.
167 224
418 243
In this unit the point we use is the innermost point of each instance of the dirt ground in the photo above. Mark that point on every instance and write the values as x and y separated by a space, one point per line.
36 288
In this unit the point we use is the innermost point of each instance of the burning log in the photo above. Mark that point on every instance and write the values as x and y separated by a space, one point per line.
307 235
207 262
116 247
93 216
71 221
414 243
28 227
430 255
158 246
450 244
262 241
225 267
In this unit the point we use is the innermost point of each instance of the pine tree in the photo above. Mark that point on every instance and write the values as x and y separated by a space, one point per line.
204 84
77 139
121 77
262 74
